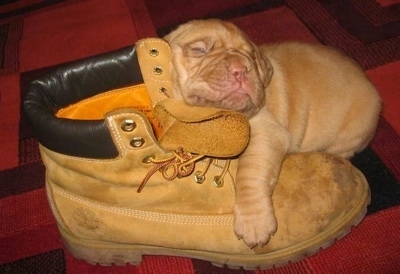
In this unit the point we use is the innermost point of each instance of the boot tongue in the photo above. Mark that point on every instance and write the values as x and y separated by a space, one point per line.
154 56
201 130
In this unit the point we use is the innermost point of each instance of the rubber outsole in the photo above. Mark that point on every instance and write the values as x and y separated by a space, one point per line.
106 253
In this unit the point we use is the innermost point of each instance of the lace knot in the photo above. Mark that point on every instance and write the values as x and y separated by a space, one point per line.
180 164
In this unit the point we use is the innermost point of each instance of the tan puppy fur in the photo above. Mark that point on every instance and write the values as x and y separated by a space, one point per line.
298 98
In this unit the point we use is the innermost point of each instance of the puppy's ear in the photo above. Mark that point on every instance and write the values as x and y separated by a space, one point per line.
171 36
178 34
264 67
175 36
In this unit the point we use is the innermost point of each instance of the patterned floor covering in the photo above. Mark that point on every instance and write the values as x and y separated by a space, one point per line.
37 35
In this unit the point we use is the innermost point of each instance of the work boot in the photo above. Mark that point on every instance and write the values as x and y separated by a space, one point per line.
130 172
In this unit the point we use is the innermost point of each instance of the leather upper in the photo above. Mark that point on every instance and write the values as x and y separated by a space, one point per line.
69 84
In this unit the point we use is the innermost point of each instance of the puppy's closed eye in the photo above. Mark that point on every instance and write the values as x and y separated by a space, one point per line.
196 49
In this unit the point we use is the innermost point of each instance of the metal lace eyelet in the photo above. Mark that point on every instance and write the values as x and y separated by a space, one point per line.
137 142
199 177
147 159
218 181
158 70
154 52
163 91
128 125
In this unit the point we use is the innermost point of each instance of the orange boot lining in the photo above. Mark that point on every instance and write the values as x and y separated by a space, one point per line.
96 107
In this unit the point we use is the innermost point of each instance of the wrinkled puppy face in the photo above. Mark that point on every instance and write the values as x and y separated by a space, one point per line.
215 64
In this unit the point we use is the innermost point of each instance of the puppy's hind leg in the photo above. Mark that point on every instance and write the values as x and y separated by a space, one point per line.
354 137
346 148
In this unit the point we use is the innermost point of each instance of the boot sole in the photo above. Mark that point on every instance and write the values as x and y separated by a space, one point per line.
108 253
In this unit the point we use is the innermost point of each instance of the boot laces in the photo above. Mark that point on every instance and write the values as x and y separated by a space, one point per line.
182 164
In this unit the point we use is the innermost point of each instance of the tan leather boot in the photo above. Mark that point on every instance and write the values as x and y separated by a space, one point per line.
118 192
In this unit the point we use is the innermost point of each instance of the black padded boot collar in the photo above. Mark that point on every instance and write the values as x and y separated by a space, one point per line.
72 83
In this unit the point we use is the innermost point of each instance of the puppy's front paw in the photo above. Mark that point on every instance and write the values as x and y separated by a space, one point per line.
255 224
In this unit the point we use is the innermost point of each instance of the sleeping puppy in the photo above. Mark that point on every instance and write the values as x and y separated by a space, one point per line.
298 98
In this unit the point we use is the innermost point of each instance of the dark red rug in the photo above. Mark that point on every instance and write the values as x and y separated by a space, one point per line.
37 35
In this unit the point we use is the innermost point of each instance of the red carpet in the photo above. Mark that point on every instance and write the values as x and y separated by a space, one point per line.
37 35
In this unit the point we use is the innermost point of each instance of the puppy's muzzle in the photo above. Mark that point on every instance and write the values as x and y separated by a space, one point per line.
238 70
